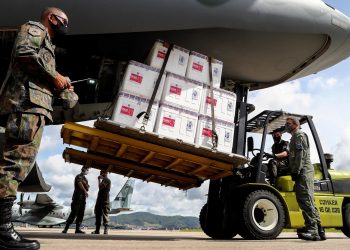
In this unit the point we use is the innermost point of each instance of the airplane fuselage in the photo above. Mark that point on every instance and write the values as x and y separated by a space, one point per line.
262 43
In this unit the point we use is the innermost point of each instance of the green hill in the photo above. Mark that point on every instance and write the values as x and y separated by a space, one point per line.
148 220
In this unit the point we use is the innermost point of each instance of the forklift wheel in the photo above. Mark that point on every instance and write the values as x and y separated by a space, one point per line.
346 220
213 232
262 216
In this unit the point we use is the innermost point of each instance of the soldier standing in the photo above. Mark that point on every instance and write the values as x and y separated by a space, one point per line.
81 188
102 207
25 107
302 172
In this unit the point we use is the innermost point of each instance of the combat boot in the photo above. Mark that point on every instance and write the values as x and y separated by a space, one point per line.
309 236
77 230
300 230
106 230
9 237
97 230
321 232
65 230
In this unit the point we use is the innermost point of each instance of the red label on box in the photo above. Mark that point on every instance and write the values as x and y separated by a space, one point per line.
136 78
127 110
161 54
175 90
207 132
197 66
168 121
209 100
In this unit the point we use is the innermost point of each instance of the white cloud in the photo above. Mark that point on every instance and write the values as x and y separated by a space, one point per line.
49 140
287 96
156 199
323 83
47 143
342 157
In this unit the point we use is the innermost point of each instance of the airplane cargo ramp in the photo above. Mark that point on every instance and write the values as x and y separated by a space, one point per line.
145 156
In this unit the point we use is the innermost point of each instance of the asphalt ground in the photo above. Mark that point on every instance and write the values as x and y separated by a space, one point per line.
52 238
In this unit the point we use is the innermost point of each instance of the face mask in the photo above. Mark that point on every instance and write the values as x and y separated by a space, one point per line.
59 29
277 138
288 128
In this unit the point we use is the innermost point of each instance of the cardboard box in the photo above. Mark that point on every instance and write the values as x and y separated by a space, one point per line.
198 67
140 79
176 123
178 58
223 129
216 68
224 104
129 106
182 92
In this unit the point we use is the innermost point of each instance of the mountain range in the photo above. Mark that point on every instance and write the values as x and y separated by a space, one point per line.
145 220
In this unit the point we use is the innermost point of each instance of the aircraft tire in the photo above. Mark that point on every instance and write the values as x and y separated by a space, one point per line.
346 220
213 232
262 216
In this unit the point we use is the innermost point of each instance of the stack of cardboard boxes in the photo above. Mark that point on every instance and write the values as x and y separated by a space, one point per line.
181 109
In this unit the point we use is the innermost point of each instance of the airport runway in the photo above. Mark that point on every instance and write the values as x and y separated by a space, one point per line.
135 239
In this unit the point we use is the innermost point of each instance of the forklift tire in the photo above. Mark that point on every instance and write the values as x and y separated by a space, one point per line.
263 216
215 233
346 220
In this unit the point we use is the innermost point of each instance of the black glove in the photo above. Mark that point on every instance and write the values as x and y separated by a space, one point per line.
294 176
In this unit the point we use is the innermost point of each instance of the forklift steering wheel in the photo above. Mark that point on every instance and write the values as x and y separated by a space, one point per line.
256 152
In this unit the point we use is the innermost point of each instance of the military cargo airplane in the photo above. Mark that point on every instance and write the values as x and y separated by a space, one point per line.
261 42
44 212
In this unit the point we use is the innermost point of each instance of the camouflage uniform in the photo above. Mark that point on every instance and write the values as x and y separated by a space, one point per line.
26 104
300 164
78 200
102 207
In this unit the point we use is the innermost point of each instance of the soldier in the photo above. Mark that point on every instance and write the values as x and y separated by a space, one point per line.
102 203
302 173
81 188
25 107
278 166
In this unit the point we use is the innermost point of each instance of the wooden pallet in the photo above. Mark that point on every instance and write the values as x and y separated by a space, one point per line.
145 156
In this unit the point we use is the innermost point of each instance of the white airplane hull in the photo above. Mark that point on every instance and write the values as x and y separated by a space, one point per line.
261 42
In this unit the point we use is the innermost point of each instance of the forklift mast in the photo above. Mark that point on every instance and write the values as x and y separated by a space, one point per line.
219 190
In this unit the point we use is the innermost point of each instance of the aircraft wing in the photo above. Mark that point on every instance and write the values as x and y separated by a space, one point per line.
37 220
42 201
40 217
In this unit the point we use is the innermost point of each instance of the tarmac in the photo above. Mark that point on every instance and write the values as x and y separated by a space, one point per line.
52 238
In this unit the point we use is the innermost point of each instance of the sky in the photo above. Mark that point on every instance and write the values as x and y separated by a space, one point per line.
324 95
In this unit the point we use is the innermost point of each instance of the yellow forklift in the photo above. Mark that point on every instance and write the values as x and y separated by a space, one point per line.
246 204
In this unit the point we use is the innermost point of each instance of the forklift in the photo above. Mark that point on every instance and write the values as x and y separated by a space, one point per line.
247 204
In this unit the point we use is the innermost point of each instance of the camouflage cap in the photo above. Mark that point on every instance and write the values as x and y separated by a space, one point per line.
69 98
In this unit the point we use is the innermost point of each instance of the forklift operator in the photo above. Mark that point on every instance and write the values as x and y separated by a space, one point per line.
278 166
